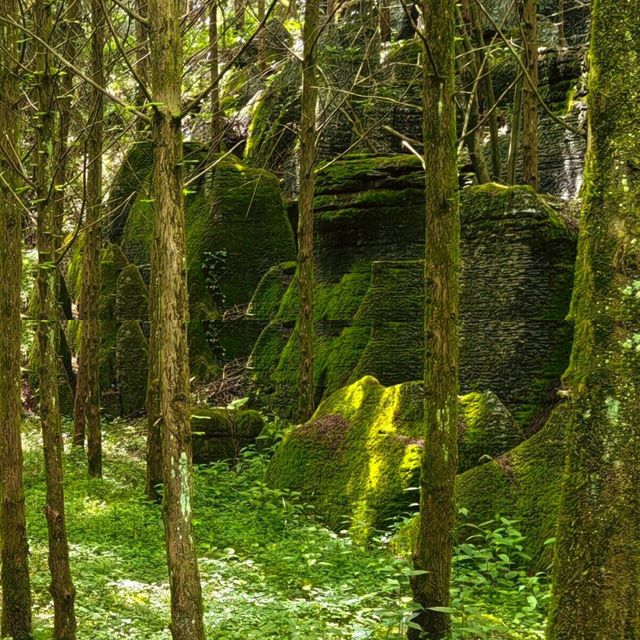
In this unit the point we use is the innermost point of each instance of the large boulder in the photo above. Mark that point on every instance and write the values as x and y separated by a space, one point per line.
524 484
517 277
358 457
236 229
220 433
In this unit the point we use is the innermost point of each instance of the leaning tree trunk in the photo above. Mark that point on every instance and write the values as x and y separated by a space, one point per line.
596 591
170 316
48 327
433 550
87 401
529 97
16 594
308 139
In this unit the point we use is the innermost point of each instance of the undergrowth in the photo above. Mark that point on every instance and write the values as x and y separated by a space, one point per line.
269 568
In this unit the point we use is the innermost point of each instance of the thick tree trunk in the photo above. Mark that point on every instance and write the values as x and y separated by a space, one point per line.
87 401
62 589
596 591
308 139
434 545
16 595
170 316
529 98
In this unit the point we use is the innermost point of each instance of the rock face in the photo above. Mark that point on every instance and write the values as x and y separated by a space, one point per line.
524 484
236 228
220 434
516 285
359 455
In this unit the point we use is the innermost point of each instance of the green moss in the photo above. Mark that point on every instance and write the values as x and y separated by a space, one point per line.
220 434
523 484
270 291
360 453
132 298
132 366
112 262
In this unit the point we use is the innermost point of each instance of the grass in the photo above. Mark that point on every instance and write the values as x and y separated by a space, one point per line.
268 569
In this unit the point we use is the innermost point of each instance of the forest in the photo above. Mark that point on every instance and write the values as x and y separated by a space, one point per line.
319 319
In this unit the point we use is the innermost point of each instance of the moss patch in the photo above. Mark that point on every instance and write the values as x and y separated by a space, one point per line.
132 366
524 484
360 453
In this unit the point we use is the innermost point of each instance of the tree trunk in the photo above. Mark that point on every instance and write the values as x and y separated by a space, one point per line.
434 545
142 58
385 21
529 98
62 589
87 401
171 317
514 137
596 592
308 139
214 61
16 594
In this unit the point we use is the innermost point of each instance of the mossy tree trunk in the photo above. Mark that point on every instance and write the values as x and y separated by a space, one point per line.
529 21
434 545
48 327
87 400
308 143
16 595
596 591
170 317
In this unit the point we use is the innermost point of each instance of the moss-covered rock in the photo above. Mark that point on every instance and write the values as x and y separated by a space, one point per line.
132 367
518 258
523 484
132 297
359 455
220 434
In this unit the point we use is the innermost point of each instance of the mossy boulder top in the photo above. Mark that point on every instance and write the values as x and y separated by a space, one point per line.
359 456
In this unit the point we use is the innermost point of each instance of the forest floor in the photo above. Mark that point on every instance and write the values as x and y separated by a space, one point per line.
269 569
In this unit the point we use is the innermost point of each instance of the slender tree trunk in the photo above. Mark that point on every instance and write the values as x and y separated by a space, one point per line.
262 39
469 72
434 545
142 58
87 401
385 21
171 318
240 13
308 140
596 590
487 93
62 589
529 98
514 138
214 61
16 594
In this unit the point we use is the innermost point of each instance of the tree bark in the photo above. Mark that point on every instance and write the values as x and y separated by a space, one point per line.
170 316
16 594
529 98
308 141
62 589
434 545
214 61
87 401
596 592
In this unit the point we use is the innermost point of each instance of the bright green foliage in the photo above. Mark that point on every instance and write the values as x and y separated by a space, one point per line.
132 359
132 297
525 482
268 571
360 454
